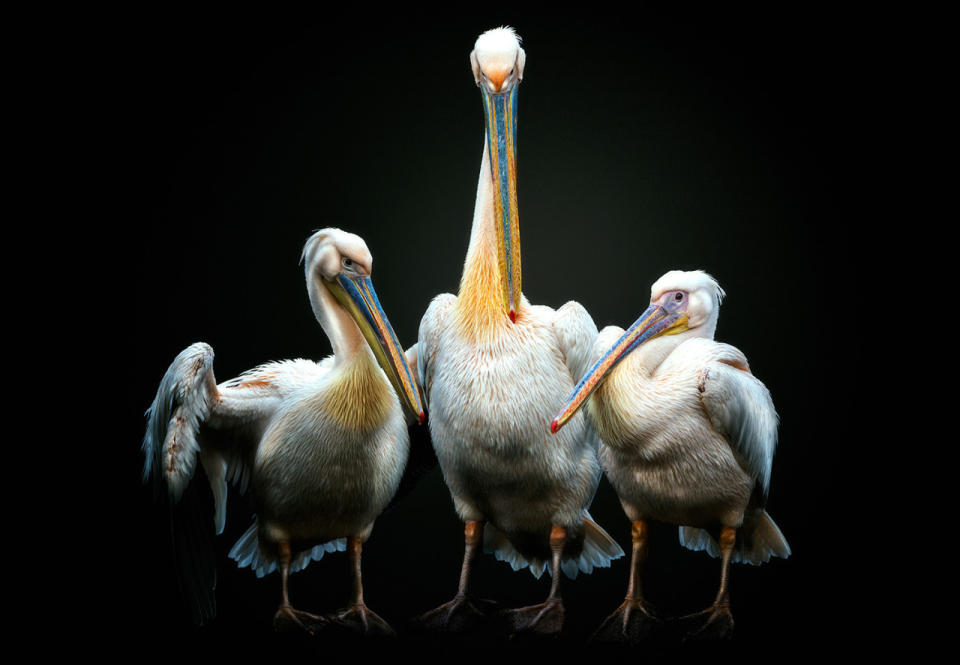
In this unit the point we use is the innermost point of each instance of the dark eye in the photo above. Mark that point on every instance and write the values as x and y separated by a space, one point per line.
679 296
348 263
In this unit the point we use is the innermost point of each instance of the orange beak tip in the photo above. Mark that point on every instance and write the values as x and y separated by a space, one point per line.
422 418
554 426
513 316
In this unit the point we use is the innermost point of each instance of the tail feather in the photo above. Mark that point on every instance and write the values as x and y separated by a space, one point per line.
599 549
247 553
759 540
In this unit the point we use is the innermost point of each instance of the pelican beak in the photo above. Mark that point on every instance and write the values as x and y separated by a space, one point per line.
356 294
501 124
652 323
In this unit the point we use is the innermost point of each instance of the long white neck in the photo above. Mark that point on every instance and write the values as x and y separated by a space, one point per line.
482 253
480 298
345 337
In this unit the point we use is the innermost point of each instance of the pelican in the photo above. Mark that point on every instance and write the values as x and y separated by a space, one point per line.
322 445
688 436
495 369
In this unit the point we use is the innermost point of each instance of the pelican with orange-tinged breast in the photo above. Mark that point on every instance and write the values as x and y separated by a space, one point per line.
323 446
494 370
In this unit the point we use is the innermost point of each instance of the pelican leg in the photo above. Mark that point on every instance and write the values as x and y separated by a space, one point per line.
719 622
287 616
357 617
634 619
464 611
547 617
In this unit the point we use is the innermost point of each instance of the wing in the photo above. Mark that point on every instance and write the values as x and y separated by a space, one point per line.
422 458
242 408
576 333
431 326
741 409
190 419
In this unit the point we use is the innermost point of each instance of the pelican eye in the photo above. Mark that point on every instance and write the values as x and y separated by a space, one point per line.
679 296
347 263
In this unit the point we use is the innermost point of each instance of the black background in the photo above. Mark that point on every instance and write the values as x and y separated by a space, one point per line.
730 140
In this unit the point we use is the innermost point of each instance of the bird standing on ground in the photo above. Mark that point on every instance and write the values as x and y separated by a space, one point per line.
322 446
494 370
688 438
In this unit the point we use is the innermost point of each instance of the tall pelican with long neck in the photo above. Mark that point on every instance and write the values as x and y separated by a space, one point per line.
322 445
495 369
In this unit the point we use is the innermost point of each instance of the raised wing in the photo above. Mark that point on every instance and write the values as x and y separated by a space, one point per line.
193 419
741 409
190 419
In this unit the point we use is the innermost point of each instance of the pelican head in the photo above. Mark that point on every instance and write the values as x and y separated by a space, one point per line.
685 302
340 263
497 61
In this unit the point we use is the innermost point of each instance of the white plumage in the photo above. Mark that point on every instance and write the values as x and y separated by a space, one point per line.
322 445
490 400
688 432
495 368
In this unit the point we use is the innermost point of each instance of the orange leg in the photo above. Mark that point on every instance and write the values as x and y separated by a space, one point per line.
286 614
547 617
463 612
719 623
357 616
634 619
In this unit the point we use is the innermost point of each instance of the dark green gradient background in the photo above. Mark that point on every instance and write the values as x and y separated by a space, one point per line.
726 140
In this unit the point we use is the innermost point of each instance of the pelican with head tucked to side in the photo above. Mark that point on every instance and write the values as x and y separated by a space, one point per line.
495 369
688 438
323 446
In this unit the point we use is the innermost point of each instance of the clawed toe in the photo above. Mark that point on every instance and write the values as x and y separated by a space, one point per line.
631 623
461 614
289 619
715 623
361 620
544 619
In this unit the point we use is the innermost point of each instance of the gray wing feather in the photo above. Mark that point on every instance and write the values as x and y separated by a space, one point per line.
741 409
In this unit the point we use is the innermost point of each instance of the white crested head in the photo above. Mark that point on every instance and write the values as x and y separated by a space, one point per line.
497 60
329 252
703 291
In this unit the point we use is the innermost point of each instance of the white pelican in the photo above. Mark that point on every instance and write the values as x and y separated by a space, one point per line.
495 369
323 445
688 438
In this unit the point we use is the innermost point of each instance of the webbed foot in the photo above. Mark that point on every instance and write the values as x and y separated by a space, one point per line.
633 621
717 626
543 619
287 618
461 614
362 620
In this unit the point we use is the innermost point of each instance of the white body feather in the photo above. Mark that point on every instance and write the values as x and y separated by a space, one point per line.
490 407
689 436
492 387
322 445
